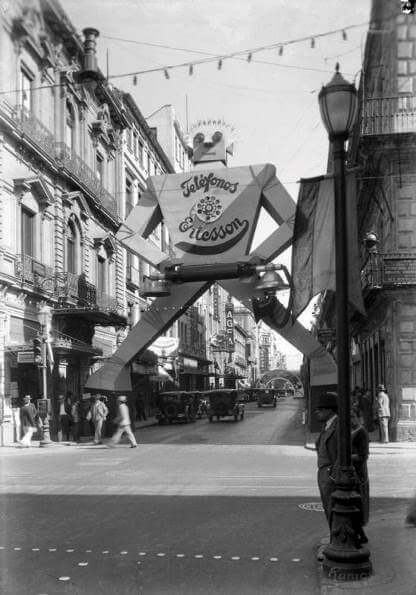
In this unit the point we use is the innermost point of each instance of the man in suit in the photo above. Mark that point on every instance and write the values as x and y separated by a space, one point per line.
383 413
326 446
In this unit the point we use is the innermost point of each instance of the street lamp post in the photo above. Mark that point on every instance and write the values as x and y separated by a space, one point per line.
44 413
344 559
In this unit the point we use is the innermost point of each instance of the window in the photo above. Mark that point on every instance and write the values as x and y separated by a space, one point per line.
26 81
69 126
101 274
28 232
135 144
129 197
141 154
99 171
73 248
149 162
129 139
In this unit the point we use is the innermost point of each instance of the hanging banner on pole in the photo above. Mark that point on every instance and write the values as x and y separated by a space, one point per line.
229 326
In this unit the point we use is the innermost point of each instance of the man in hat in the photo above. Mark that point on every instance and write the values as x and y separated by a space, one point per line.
326 446
29 417
123 423
383 413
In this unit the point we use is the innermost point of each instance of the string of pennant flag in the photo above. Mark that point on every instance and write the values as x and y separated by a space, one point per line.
246 54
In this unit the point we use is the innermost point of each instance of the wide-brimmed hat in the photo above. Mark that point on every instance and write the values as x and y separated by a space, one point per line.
27 398
381 387
327 401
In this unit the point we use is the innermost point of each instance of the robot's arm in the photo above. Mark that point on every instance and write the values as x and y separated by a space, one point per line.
133 232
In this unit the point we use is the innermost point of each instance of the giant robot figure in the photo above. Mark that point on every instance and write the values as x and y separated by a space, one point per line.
211 214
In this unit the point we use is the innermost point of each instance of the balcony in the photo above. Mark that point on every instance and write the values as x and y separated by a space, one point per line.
86 176
34 129
388 115
395 269
35 273
80 298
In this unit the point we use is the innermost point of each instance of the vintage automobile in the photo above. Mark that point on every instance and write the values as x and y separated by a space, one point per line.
266 396
177 406
225 403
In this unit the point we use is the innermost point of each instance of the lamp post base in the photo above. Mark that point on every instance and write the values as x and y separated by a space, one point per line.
46 438
345 558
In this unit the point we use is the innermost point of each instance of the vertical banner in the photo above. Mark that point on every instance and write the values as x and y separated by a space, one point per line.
215 296
229 326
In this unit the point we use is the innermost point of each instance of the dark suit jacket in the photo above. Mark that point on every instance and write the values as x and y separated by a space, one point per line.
327 446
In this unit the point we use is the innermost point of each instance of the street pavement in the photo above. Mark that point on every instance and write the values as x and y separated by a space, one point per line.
189 517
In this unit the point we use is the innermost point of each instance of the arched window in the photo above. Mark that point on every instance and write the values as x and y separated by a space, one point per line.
69 126
73 248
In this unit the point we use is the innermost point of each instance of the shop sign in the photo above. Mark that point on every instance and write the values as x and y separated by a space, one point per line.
26 357
164 346
190 363
229 326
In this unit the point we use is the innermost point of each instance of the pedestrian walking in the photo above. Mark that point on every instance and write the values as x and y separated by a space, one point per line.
30 421
360 452
383 413
76 420
64 417
99 412
123 423
326 446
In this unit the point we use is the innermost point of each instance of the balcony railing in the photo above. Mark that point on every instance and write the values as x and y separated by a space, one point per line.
40 135
73 287
388 115
34 129
393 269
77 166
34 273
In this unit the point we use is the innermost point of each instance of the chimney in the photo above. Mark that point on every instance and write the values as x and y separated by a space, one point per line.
89 62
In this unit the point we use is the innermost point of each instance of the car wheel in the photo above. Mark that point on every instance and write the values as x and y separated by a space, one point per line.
258 405
242 416
235 416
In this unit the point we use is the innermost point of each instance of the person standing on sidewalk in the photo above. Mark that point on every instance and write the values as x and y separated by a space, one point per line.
359 453
76 420
326 446
123 423
383 413
99 412
29 420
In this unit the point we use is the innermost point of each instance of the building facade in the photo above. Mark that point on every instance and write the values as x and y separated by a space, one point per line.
61 271
383 146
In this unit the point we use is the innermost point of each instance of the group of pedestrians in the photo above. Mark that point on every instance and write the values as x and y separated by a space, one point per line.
69 418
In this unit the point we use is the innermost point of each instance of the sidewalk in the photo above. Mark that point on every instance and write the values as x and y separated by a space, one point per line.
84 440
375 446
392 546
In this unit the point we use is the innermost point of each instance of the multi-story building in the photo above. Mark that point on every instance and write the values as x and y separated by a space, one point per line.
142 157
61 271
383 144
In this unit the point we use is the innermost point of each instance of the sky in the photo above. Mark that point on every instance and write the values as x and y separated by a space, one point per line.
271 100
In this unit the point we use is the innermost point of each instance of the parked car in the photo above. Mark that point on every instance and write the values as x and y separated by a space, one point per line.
225 403
266 396
281 392
176 406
